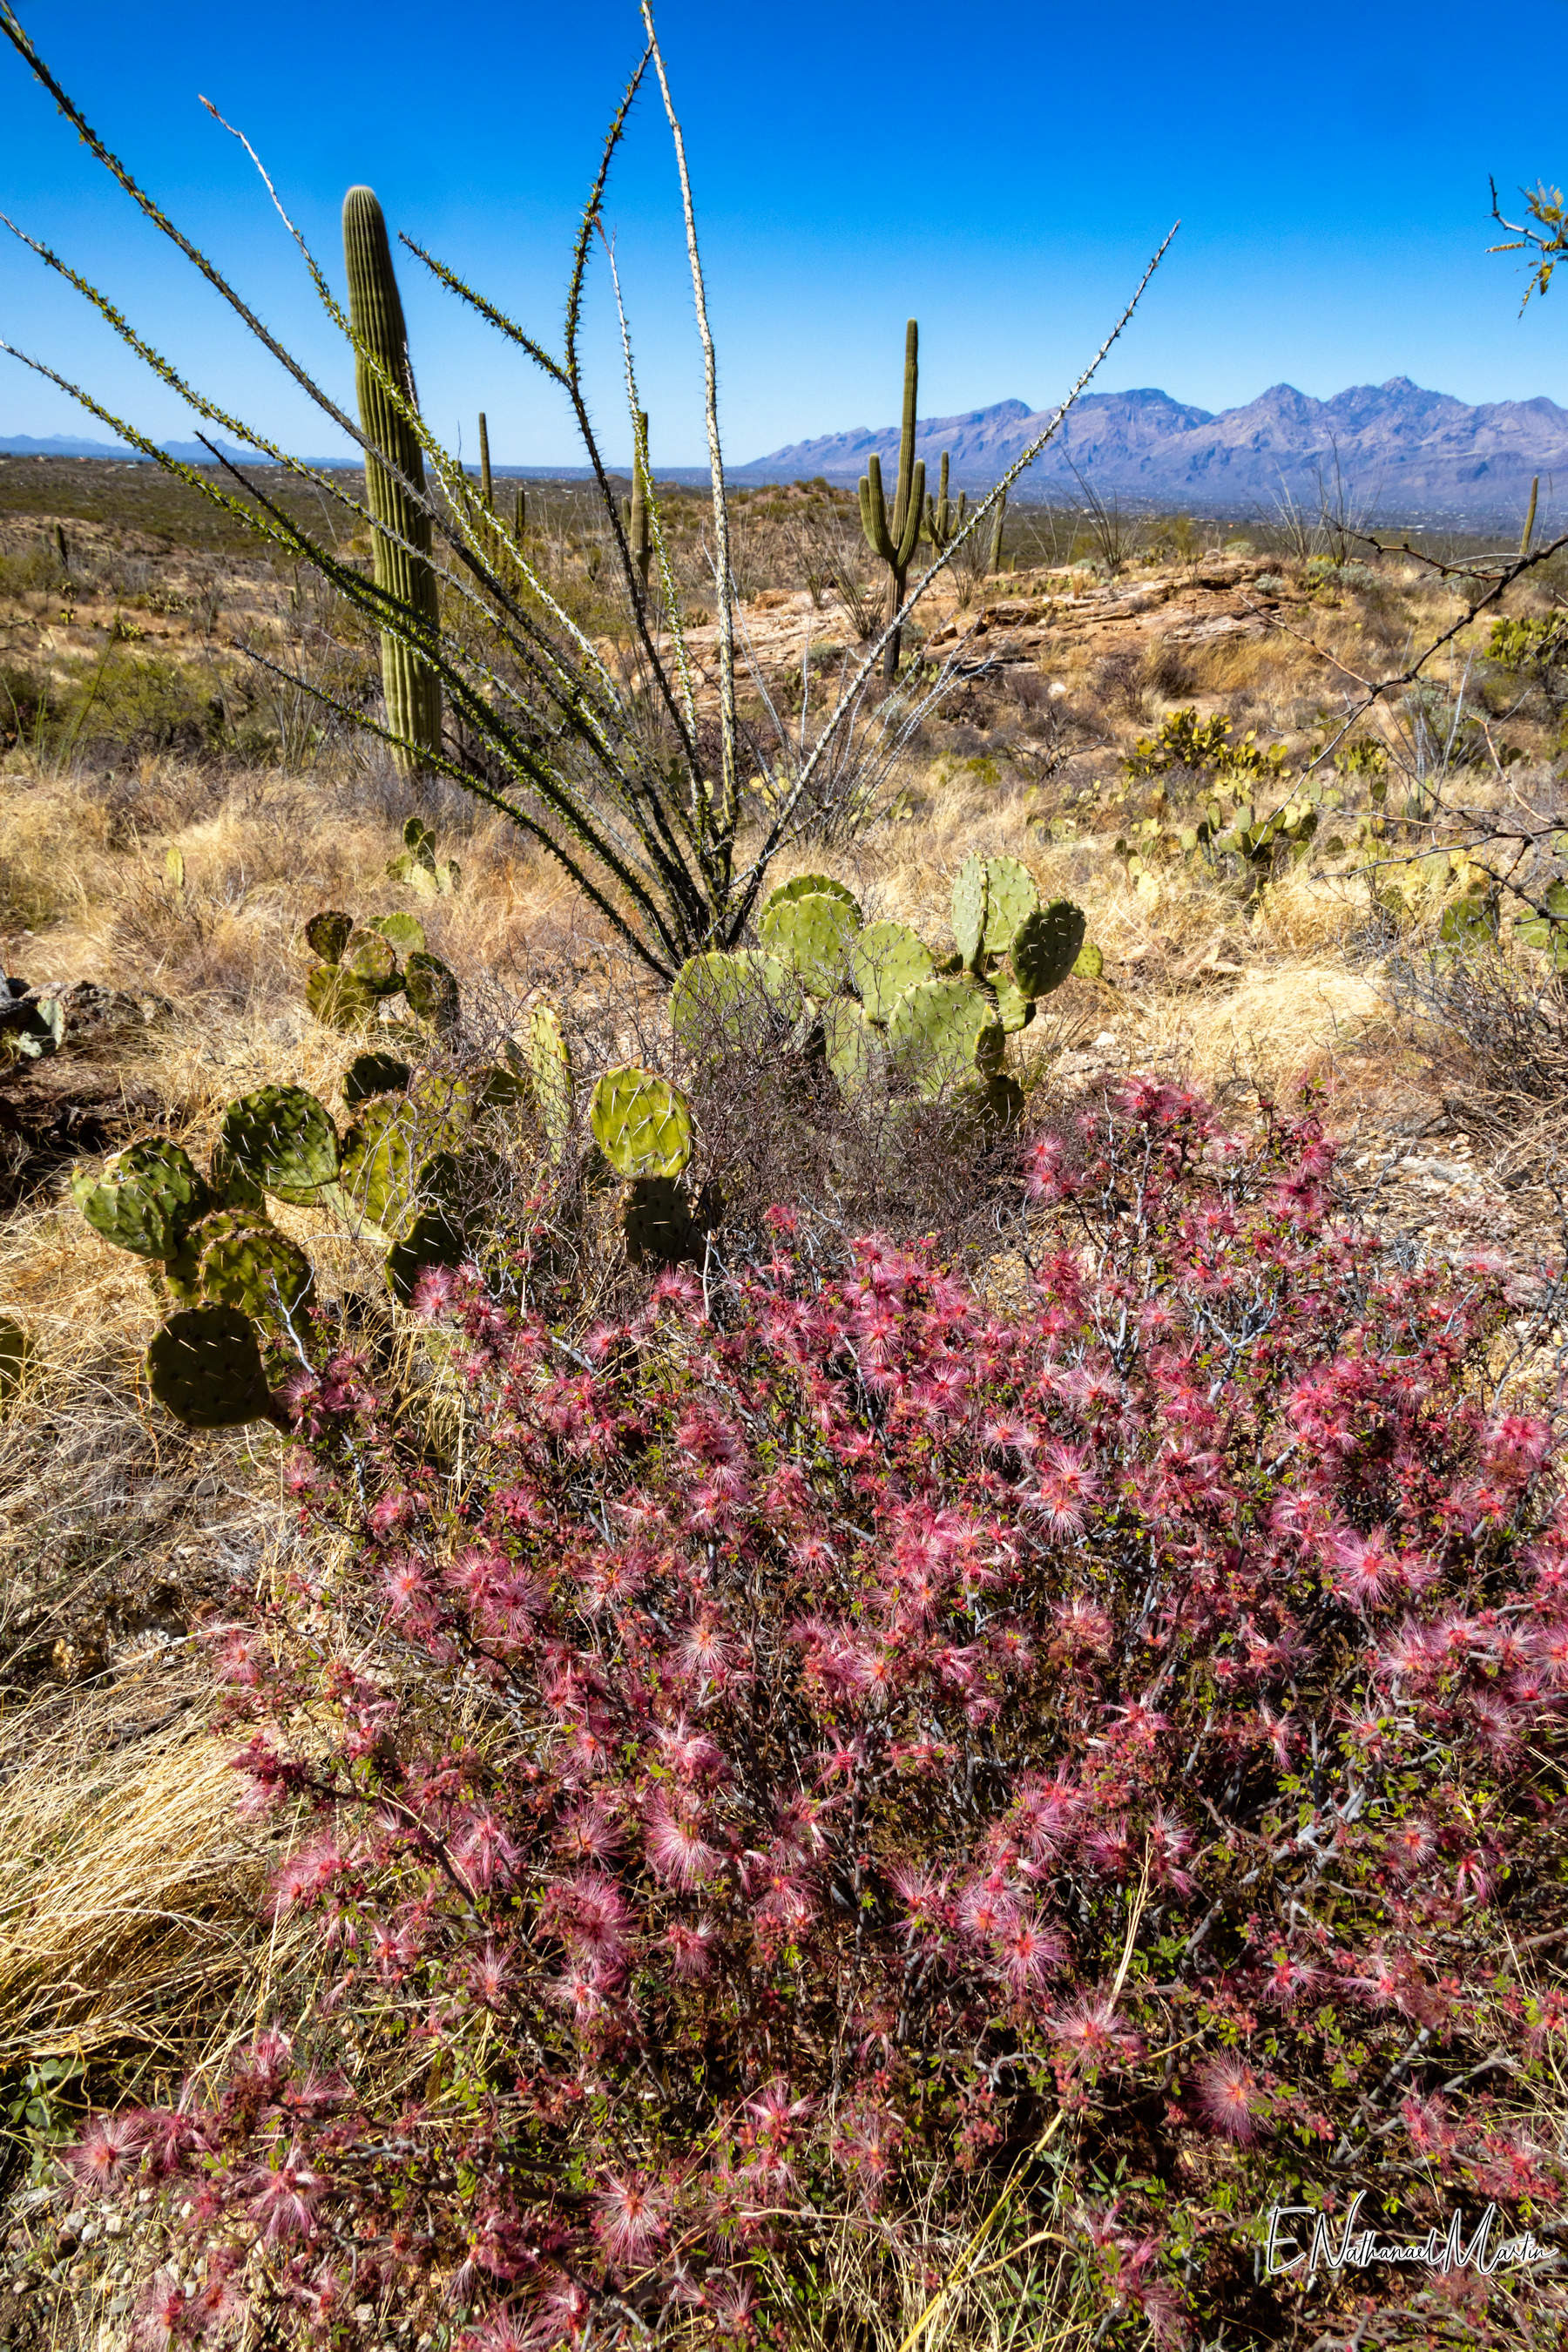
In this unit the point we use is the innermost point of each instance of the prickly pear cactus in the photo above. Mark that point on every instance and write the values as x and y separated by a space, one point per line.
431 987
1014 1009
657 1222
147 1199
1046 947
812 934
886 961
418 865
641 1123
945 1031
1010 898
811 886
856 1048
405 933
204 1366
327 934
16 1354
727 1003
233 1186
550 1067
372 1073
432 1238
245 1263
380 1160
284 1140
370 958
339 998
969 911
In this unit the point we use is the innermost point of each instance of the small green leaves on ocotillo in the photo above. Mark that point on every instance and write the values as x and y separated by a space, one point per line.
404 932
886 960
944 1032
855 1049
969 911
204 1366
431 987
368 957
285 1141
339 999
327 934
374 1074
246 1263
641 1123
812 934
433 1239
803 885
1010 899
147 1199
726 1003
657 1222
1046 946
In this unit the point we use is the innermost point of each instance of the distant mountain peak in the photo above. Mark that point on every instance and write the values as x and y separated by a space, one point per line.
1400 449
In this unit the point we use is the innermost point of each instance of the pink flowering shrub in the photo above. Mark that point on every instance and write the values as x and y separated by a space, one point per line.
847 1735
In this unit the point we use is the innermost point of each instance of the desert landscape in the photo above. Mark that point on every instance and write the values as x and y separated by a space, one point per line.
784 1275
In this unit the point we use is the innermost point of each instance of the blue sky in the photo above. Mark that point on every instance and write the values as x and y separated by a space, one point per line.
1003 174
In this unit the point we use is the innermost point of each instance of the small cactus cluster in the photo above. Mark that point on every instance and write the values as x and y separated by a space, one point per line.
356 968
235 1280
882 1007
417 865
31 1025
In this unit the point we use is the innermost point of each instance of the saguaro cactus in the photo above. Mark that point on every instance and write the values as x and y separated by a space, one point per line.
401 541
993 559
487 483
639 537
943 519
895 541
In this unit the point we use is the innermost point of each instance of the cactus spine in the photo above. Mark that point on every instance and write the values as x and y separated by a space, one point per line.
402 543
943 519
895 543
993 559
486 481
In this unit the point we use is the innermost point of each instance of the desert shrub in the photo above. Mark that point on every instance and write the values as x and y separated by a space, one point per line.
1202 747
827 1735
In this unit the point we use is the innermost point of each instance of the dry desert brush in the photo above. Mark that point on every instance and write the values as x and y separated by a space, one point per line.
626 763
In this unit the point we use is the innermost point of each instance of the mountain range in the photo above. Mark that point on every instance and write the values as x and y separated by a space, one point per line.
1400 450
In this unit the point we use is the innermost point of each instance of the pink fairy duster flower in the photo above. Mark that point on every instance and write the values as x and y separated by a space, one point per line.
484 1852
1230 2096
489 1977
1066 1491
107 2150
987 1910
283 2198
629 2219
307 1874
1029 1952
1091 2032
691 1946
693 1754
677 1850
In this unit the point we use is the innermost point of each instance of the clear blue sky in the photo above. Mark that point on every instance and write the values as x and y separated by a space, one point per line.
1001 172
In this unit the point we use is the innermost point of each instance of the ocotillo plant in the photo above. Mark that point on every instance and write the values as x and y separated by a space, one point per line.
487 484
395 489
943 519
896 542
993 556
640 798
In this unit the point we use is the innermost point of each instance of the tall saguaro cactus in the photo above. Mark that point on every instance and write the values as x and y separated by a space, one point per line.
401 546
895 541
994 555
639 537
487 482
